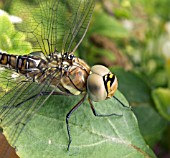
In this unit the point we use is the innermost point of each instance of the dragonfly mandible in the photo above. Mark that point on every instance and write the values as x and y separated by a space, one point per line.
55 29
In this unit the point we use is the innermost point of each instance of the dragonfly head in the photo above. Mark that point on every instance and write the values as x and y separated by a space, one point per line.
101 83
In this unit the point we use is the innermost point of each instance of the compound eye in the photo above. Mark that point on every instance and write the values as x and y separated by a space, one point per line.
96 88
100 70
111 84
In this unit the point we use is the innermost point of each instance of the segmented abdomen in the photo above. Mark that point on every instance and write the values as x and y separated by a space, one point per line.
22 64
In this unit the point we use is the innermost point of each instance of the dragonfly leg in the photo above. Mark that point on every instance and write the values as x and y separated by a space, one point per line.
37 95
101 115
68 116
20 104
129 107
32 97
55 93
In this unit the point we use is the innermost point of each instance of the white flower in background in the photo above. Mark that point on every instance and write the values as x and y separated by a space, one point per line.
167 27
166 49
2 51
13 19
2 68
128 24
166 42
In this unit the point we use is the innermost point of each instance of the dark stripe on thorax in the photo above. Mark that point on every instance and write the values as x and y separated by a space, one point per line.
74 84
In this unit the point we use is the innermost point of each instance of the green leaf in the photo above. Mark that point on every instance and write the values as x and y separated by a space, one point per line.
168 71
93 137
6 29
161 97
151 124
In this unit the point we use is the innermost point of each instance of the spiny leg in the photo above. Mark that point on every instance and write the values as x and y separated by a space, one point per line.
37 95
68 116
101 115
129 107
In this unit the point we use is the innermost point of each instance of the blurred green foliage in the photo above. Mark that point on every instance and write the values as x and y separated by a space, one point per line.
11 40
133 35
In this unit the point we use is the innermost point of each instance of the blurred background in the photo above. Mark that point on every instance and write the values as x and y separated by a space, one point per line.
132 38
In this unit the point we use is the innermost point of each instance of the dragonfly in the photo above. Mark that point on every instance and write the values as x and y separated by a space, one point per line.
55 28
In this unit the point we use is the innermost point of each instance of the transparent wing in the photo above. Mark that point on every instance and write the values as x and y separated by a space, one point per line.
20 98
54 25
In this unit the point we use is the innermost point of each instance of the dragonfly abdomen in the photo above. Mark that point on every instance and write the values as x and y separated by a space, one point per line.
22 64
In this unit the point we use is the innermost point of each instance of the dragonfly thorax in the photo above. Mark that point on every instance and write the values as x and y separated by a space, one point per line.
74 75
98 82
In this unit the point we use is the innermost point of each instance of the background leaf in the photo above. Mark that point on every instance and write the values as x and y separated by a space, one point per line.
11 40
161 97
107 26
151 124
